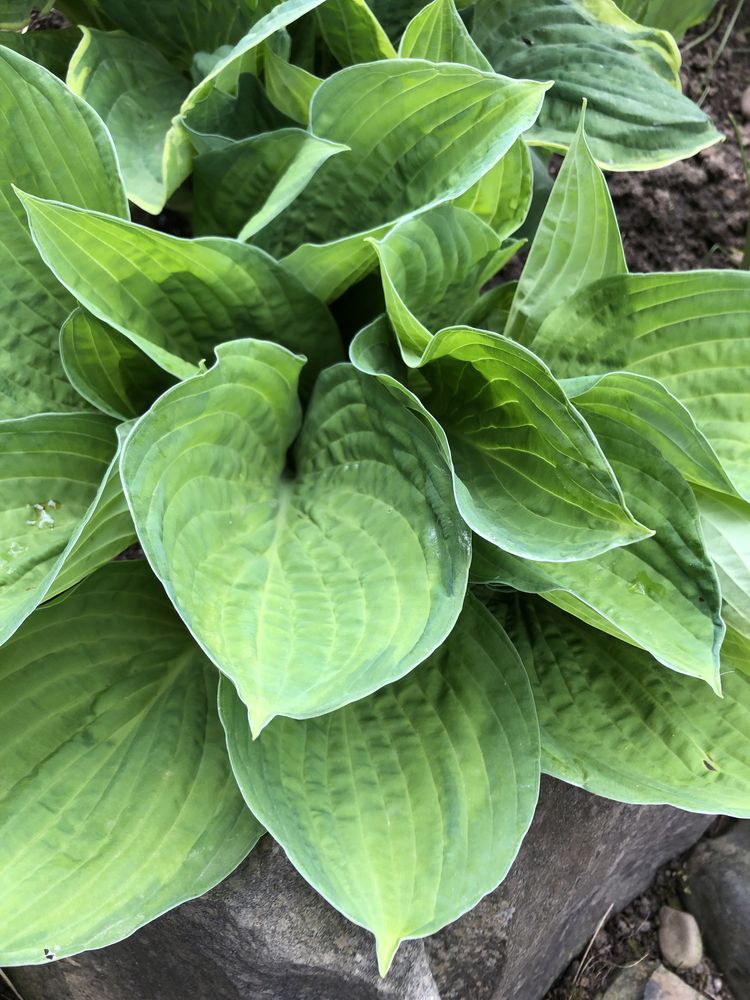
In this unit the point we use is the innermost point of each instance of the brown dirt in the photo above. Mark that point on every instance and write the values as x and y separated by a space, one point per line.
694 213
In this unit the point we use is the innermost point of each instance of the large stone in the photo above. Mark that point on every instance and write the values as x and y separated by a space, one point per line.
265 935
665 985
718 894
680 941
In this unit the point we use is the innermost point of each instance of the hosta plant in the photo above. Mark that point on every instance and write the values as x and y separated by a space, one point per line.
404 542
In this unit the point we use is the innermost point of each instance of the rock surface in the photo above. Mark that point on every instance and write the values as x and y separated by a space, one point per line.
680 941
718 893
665 985
265 934
630 983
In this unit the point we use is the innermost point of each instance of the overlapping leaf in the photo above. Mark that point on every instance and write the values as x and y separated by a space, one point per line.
135 90
58 488
673 17
438 33
637 118
616 723
60 149
661 593
352 32
726 526
174 298
577 241
310 586
691 331
116 797
107 369
430 134
404 808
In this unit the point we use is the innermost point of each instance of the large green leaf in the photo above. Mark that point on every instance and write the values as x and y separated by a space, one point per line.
176 299
107 369
689 330
529 475
438 33
637 117
403 809
662 593
726 526
116 797
51 469
673 17
352 32
577 241
136 91
59 149
432 132
615 722
313 585
241 188
652 411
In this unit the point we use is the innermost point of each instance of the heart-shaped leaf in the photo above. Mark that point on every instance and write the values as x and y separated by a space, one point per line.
308 586
407 807
116 797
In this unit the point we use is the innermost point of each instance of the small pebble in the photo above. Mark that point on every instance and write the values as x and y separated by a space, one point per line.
679 938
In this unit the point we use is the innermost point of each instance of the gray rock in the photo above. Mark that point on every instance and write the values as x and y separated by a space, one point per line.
680 941
631 982
665 985
718 894
264 934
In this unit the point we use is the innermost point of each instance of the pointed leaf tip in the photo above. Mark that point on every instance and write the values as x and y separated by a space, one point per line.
386 946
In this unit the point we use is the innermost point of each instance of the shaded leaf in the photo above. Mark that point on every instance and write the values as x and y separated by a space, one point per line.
615 722
116 801
407 807
60 149
352 32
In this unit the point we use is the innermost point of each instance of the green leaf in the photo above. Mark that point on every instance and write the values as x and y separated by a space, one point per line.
726 527
403 809
661 593
637 117
60 149
673 17
502 197
17 13
176 299
690 330
577 241
449 126
614 722
51 468
107 369
116 799
437 33
312 586
219 119
433 267
51 49
178 28
653 412
491 310
241 188
352 32
137 92
289 86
